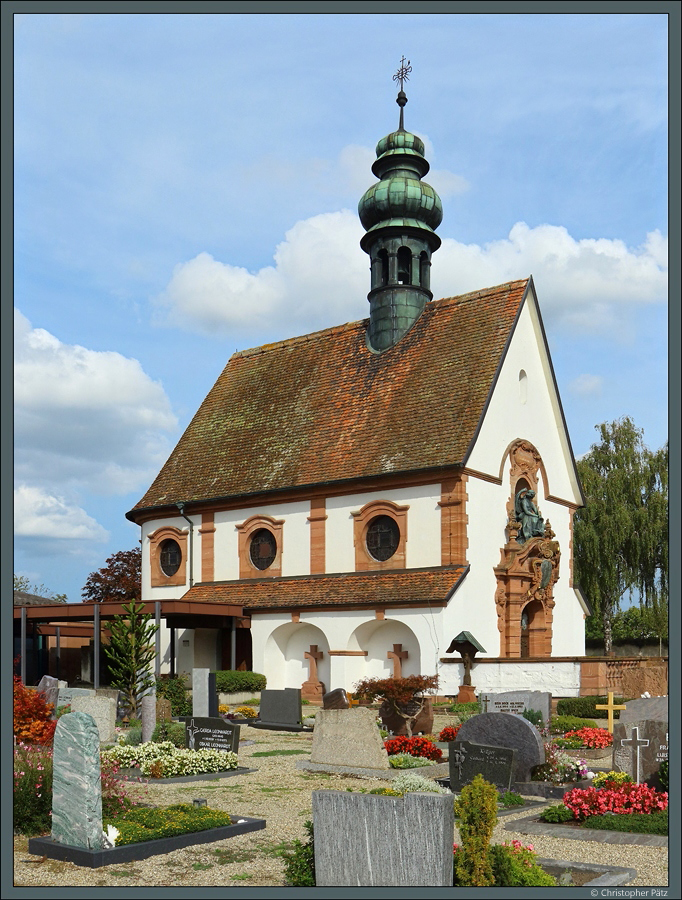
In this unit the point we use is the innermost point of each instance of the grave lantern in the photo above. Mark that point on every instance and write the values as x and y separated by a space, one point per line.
467 646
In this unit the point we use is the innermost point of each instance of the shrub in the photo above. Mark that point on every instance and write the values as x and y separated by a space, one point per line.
611 779
132 736
415 746
409 782
144 824
398 694
406 761
465 711
449 733
640 823
585 707
33 722
534 716
169 731
622 800
509 799
514 865
663 774
230 681
246 712
476 808
299 865
571 723
32 789
592 738
556 814
174 689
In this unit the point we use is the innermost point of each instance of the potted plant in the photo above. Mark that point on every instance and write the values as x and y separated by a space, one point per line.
403 701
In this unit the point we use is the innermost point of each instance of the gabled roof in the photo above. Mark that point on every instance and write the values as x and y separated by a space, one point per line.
404 587
22 598
324 408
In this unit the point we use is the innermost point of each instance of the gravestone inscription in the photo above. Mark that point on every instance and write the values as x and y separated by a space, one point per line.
214 734
495 764
76 783
510 731
639 748
66 694
517 702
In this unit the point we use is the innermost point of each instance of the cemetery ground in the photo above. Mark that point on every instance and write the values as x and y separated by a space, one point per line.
281 794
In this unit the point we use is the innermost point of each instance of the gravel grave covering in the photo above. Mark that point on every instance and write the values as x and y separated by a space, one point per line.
281 794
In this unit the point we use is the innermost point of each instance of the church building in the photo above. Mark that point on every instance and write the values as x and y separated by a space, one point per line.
344 503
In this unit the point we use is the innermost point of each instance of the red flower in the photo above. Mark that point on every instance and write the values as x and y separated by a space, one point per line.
415 746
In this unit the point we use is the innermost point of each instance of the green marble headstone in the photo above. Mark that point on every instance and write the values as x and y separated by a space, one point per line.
76 783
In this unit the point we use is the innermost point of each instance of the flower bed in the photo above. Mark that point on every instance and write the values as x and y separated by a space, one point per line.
621 800
592 738
164 760
415 746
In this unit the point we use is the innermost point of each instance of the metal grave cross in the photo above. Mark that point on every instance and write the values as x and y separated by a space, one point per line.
610 706
397 655
635 742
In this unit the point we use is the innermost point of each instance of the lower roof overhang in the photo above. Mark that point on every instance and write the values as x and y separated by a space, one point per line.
177 614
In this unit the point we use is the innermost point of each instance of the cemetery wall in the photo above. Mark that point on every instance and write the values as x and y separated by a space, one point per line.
559 677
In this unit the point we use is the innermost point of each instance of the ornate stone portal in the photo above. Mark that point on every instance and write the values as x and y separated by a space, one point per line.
528 569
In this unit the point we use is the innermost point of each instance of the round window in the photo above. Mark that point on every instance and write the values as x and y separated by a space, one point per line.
170 557
263 549
383 537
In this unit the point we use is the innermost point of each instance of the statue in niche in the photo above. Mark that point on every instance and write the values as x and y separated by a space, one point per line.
528 515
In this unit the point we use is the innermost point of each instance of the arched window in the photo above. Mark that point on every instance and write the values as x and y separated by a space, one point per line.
382 537
263 549
424 270
383 257
404 266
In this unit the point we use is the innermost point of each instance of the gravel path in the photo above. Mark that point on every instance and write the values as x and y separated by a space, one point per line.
281 794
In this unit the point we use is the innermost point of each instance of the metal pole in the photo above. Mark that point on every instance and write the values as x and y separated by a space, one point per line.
59 652
233 644
172 651
22 671
157 619
96 637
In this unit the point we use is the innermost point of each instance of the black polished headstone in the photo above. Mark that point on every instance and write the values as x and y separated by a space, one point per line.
280 707
495 764
212 696
510 731
213 733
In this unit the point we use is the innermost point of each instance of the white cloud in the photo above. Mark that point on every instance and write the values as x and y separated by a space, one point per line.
586 385
320 278
38 514
84 419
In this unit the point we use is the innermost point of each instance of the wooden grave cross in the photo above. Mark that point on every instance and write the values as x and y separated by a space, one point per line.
610 706
635 742
312 656
397 655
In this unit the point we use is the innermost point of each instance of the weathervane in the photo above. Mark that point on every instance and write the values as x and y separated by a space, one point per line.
402 75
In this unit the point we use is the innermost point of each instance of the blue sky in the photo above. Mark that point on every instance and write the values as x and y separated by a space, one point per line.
187 186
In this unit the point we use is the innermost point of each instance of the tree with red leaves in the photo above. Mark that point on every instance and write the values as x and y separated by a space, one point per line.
119 580
398 694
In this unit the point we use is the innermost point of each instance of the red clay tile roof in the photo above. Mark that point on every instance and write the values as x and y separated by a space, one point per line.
362 589
323 408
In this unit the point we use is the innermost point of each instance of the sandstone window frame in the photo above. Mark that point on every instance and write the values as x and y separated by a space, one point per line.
156 541
246 531
362 519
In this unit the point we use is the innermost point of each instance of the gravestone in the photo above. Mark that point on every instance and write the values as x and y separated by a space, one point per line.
654 709
76 784
66 694
517 702
348 737
213 733
373 840
466 760
163 709
50 687
148 714
336 699
639 748
395 723
102 710
280 709
510 731
200 692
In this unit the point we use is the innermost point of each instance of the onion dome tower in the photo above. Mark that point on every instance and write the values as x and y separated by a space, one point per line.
399 214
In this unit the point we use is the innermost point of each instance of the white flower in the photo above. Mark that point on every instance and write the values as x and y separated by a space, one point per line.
110 836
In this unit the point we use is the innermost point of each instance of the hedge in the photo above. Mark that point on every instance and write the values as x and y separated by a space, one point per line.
229 681
586 707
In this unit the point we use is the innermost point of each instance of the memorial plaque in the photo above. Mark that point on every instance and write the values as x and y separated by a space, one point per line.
518 702
215 734
511 732
495 764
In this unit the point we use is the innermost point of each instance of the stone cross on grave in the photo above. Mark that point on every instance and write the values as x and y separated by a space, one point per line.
312 689
397 655
312 656
610 706
635 742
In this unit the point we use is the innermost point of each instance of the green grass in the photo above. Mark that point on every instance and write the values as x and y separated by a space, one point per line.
241 877
199 866
279 752
234 856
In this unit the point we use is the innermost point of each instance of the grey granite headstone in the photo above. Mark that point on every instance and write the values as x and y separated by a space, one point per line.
348 737
216 734
103 711
148 714
654 709
281 707
495 764
518 702
511 731
50 687
200 692
76 784
366 839
639 748
67 694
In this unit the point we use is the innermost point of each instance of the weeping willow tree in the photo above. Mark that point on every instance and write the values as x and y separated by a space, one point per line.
620 538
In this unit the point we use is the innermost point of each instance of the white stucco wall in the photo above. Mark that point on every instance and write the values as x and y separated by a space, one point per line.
562 679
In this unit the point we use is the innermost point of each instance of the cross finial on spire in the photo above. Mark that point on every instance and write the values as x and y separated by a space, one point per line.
403 72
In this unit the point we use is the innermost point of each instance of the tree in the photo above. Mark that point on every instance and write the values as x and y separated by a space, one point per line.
131 653
620 536
22 583
403 696
120 579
